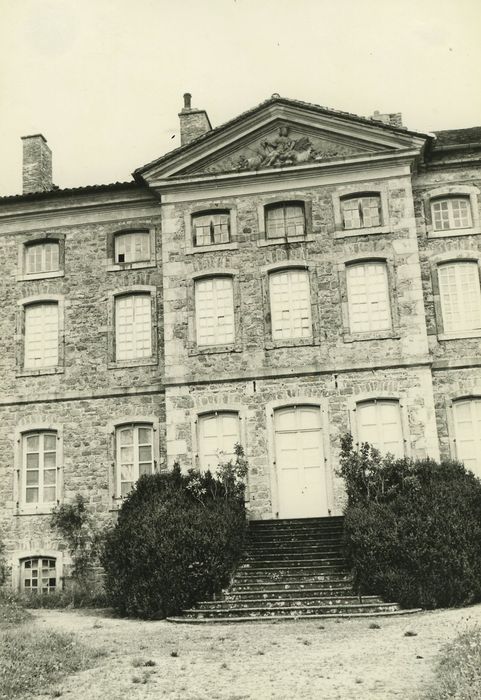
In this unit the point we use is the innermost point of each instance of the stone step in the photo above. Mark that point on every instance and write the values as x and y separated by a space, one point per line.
300 531
282 593
311 561
282 577
276 535
292 611
283 618
295 555
324 581
297 522
288 545
275 603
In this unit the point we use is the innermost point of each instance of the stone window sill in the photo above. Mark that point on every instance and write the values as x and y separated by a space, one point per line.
214 349
125 364
360 337
39 371
115 267
233 245
40 276
445 233
290 343
262 243
38 510
361 231
459 335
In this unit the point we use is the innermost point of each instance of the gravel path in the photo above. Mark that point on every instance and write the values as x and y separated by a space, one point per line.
262 661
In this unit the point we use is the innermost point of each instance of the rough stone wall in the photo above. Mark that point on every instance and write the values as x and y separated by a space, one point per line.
37 164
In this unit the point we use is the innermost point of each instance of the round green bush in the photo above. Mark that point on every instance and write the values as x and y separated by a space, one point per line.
412 530
177 540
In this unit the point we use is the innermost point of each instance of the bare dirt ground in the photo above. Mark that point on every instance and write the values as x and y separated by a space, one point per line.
259 661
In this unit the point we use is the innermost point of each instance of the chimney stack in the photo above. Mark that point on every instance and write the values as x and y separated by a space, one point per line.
193 122
394 119
37 164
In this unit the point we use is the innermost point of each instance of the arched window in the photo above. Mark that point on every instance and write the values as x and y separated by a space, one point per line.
451 213
467 425
214 310
217 434
134 449
39 482
361 211
38 575
211 228
133 326
368 297
379 423
285 219
460 295
290 302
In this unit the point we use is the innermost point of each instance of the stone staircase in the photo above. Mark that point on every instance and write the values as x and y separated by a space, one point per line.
291 569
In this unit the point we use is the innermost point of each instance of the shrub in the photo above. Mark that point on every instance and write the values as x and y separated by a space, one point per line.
412 529
3 566
177 540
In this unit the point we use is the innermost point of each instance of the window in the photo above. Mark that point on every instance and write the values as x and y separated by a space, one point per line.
290 302
451 213
467 423
133 326
361 211
460 296
379 423
41 256
214 311
211 228
217 435
39 468
368 297
133 246
134 455
41 335
286 219
38 575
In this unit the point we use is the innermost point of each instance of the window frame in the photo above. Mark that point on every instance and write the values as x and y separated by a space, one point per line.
150 360
278 201
455 256
220 206
216 411
22 304
389 334
192 347
289 272
370 189
39 239
38 589
113 266
380 396
454 191
20 555
135 426
19 493
286 265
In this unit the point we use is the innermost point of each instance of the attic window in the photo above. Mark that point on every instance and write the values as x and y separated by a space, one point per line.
451 213
285 219
211 228
133 246
361 211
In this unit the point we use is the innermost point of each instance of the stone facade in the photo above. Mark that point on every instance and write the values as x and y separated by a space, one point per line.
415 363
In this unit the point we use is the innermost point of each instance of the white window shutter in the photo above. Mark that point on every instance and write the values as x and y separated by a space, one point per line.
368 297
290 301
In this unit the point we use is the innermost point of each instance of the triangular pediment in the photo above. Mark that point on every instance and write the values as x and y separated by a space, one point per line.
277 134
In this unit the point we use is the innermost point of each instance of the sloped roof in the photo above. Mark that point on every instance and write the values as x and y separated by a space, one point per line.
64 191
458 137
277 99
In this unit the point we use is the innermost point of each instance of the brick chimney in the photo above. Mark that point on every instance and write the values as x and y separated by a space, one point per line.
37 164
193 122
394 119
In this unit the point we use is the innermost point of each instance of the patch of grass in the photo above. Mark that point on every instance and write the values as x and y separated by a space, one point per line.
374 626
11 614
32 660
458 672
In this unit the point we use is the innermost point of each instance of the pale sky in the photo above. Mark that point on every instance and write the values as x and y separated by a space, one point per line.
103 79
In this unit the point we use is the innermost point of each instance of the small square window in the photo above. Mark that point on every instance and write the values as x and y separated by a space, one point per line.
451 213
41 256
132 246
285 219
362 211
211 228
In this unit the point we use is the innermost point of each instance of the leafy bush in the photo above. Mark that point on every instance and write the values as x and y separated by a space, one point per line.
177 540
412 529
3 566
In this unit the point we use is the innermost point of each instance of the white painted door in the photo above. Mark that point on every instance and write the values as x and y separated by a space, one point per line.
299 459
217 434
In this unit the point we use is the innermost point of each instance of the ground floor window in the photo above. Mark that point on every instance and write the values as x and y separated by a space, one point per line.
467 421
38 575
379 423
218 432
